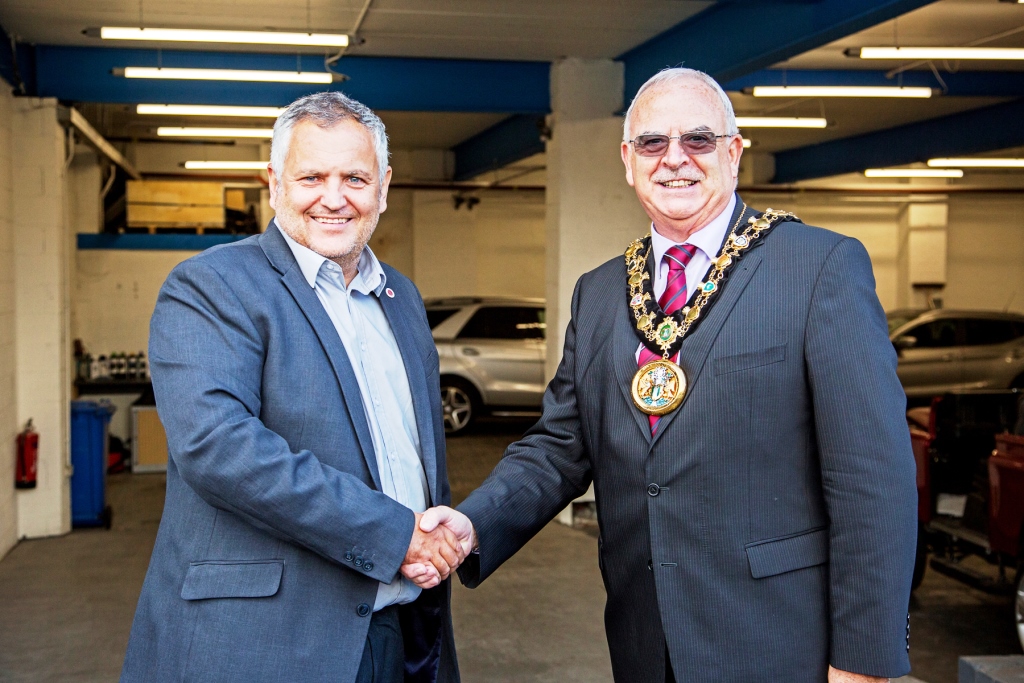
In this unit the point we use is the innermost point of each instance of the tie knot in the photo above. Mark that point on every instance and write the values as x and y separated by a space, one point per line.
678 256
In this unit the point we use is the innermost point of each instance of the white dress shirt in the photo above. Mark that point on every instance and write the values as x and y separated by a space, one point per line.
708 241
377 363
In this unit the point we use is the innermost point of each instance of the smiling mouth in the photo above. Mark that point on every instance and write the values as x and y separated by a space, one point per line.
682 182
331 220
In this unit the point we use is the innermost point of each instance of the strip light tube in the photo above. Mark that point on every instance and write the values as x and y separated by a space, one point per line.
977 163
207 110
209 36
779 122
941 53
226 165
321 77
914 173
168 131
839 91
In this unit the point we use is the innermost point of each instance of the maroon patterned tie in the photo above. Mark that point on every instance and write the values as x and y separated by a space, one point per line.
673 298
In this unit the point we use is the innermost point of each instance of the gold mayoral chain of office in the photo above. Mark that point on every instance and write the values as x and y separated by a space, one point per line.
659 386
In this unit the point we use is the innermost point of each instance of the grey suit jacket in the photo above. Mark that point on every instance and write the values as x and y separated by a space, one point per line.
769 528
275 532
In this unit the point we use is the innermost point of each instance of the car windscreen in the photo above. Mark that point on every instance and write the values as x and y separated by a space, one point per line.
436 316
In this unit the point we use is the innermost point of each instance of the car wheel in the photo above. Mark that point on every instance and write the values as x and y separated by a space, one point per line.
1018 607
459 404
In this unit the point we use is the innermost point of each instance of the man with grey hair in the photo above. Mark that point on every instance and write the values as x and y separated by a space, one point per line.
729 388
297 381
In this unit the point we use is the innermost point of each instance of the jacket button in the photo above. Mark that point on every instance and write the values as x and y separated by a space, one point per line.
653 490
363 609
358 562
367 566
349 556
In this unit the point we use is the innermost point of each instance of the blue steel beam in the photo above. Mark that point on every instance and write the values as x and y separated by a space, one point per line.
961 84
83 74
731 39
972 132
515 138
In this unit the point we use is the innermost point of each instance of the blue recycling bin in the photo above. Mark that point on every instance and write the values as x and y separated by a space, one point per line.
89 422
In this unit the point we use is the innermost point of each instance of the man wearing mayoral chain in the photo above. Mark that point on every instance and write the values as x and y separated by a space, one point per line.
298 383
730 389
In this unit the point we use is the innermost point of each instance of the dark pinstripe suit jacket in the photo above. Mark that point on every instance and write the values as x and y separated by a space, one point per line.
781 535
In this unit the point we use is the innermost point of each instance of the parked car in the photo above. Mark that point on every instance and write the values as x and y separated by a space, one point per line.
492 353
969 450
947 350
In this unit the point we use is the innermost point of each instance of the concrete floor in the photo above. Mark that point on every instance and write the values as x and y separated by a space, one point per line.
66 603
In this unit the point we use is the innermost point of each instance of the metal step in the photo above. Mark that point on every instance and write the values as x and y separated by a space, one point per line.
959 533
975 579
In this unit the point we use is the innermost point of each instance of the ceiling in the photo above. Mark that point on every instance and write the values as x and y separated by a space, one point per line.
543 30
461 29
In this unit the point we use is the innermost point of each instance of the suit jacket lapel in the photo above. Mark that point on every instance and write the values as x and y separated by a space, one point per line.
282 259
422 397
696 348
624 348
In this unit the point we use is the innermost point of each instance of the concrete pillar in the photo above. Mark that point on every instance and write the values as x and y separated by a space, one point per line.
8 407
921 256
592 214
42 246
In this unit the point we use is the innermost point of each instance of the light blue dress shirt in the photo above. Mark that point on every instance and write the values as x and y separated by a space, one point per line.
377 363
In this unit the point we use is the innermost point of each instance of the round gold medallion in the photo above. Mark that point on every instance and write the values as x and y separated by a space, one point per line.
658 387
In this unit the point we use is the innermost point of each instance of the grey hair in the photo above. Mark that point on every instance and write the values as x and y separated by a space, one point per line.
327 109
677 74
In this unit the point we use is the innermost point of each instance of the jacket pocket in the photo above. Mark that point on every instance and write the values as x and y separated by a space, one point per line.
781 555
241 579
750 359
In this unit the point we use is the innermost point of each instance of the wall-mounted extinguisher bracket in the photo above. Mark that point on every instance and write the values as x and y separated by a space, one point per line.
27 459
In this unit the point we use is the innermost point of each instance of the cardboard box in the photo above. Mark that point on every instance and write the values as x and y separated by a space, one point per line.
149 441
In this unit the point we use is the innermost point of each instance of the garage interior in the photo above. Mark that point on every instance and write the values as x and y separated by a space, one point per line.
504 120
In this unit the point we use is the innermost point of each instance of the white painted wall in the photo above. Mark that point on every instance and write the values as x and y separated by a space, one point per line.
494 249
114 295
41 241
8 407
985 248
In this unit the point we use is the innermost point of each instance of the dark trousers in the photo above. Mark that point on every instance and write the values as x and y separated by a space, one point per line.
384 653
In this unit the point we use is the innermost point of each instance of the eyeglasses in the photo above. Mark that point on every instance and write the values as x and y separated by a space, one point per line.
693 143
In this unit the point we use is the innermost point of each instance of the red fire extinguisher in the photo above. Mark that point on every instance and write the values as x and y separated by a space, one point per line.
28 457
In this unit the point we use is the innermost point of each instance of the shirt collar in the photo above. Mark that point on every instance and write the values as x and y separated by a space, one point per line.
708 239
369 278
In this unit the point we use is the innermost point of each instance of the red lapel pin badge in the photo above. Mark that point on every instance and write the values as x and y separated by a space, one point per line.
390 292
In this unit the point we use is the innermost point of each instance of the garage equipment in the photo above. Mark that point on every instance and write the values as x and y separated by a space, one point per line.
89 423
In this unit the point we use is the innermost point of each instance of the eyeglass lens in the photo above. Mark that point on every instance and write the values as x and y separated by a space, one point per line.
692 143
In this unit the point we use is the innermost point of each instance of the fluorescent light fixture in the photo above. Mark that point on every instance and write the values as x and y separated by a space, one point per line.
167 131
914 173
978 163
207 110
207 36
779 122
839 91
941 53
321 77
746 143
226 165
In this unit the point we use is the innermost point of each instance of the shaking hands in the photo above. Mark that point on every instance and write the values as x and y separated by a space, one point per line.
442 539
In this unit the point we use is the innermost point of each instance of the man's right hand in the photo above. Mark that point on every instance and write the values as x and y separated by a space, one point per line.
452 525
434 553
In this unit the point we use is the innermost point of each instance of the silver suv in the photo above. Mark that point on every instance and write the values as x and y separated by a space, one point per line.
947 350
492 357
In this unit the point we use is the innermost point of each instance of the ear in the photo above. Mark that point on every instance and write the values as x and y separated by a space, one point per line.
627 158
735 152
384 191
272 186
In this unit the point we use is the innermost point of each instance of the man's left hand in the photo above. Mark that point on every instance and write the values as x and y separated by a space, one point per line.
838 676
